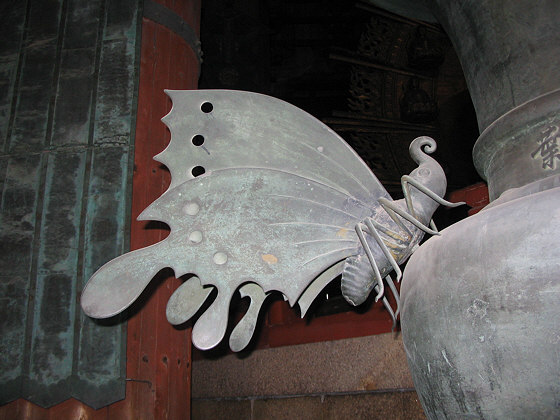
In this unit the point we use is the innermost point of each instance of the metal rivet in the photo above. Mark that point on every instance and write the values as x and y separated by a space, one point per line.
195 236
191 208
220 258
320 149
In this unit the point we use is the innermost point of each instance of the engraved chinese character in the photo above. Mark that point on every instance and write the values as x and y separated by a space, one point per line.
548 148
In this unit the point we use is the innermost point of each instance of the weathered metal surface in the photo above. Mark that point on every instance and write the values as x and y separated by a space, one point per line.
67 94
243 331
282 199
242 129
54 310
317 286
472 330
509 53
99 379
14 19
20 181
480 303
521 146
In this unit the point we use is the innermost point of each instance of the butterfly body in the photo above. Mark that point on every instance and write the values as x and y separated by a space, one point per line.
400 236
284 205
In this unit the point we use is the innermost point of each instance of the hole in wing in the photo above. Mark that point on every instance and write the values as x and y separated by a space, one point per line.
198 140
197 171
207 107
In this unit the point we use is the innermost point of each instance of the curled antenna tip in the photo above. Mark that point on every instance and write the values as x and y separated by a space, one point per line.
423 143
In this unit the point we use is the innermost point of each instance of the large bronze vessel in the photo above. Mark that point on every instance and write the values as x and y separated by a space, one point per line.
481 318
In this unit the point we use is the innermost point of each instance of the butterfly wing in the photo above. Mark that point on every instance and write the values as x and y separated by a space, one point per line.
268 227
245 129
277 207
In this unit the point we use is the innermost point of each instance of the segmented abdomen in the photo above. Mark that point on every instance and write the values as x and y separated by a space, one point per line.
358 279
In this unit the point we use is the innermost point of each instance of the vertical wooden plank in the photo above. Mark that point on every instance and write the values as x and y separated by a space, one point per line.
139 387
10 411
73 409
172 358
151 318
163 353
29 411
183 75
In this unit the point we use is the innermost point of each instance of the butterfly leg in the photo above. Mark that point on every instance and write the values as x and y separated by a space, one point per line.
391 208
373 232
394 314
395 292
406 180
433 226
389 309
369 254
371 229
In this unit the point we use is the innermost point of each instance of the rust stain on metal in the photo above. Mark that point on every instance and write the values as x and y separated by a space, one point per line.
342 233
269 258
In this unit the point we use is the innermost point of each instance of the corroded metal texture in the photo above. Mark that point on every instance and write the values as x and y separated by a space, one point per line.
480 303
482 333
278 200
67 97
522 146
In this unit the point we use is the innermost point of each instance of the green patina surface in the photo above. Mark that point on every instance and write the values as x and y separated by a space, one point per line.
68 75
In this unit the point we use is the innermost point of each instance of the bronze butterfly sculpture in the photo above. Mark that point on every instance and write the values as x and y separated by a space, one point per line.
283 204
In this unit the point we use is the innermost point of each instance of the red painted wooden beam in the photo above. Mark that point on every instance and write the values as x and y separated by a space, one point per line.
158 353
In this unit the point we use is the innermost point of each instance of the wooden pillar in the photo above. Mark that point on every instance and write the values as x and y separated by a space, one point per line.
158 355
